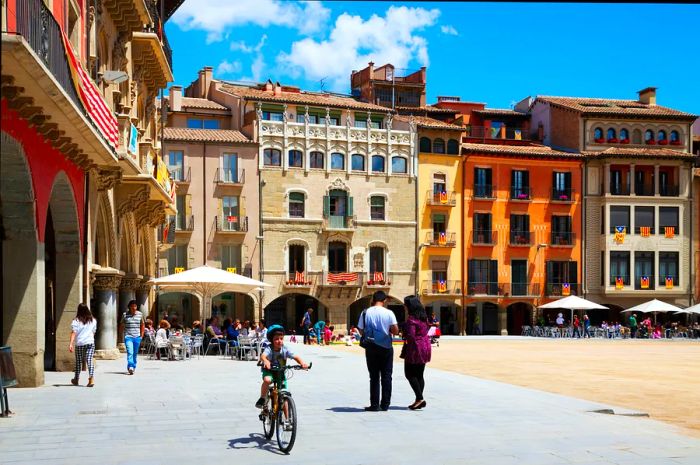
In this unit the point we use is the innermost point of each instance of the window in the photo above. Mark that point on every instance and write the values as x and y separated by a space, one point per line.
231 257
439 225
620 268
668 181
376 124
337 161
361 124
644 180
297 261
272 157
231 220
518 273
668 268
439 272
177 258
482 183
175 164
482 228
560 273
378 164
520 229
438 146
636 136
377 207
661 135
482 277
624 135
675 137
313 119
358 162
229 168
452 147
376 260
199 123
520 185
181 218
612 135
332 121
619 182
337 257
619 216
561 230
668 218
272 115
648 135
598 134
296 159
399 165
296 205
425 145
316 159
643 270
439 183
644 220
561 186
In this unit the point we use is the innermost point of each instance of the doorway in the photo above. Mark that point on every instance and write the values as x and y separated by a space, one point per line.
50 295
337 257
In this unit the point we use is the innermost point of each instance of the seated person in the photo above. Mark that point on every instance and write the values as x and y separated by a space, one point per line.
232 334
196 328
214 332
162 337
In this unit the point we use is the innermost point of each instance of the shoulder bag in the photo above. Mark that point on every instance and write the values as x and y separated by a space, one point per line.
365 340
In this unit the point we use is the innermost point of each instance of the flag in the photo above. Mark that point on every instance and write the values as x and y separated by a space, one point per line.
566 289
443 197
669 282
644 281
92 101
645 231
231 270
620 234
495 133
619 282
299 277
231 219
442 286
442 238
669 231
378 277
335 278
517 134
166 229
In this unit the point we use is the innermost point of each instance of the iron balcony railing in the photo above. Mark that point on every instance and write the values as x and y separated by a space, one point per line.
520 192
439 287
158 28
563 238
442 199
231 223
185 222
441 239
181 174
503 289
484 237
521 237
562 289
481 132
563 195
668 191
484 288
338 222
342 279
483 191
643 190
229 176
300 279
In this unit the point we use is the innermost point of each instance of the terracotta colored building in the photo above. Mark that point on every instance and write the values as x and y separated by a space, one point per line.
381 86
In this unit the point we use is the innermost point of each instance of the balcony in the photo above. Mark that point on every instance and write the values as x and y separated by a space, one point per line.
342 279
562 289
475 288
227 176
441 199
504 133
299 279
520 289
300 131
153 50
484 237
180 174
521 238
565 195
520 193
644 190
483 192
669 191
618 189
448 287
440 239
339 223
378 279
563 239
184 223
166 234
231 224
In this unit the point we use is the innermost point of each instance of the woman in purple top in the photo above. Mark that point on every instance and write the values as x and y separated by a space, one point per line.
416 350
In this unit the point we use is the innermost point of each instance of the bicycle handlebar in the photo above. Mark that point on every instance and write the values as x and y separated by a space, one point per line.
290 367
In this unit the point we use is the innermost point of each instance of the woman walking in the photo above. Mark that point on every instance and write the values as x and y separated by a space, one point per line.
82 339
416 349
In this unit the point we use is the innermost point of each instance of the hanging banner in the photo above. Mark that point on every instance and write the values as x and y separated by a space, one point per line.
620 232
442 238
133 141
645 231
669 282
442 286
619 282
443 197
517 134
644 282
566 289
669 231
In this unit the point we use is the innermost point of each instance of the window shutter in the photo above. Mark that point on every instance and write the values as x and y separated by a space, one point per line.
488 177
549 272
512 179
493 271
573 272
326 206
567 180
526 179
349 206
554 180
476 175
470 271
526 222
488 222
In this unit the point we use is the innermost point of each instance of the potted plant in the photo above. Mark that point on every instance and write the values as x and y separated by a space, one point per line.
613 140
663 142
651 142
624 141
676 142
563 197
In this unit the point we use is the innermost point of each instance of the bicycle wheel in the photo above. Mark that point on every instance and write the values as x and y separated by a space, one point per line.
268 419
286 433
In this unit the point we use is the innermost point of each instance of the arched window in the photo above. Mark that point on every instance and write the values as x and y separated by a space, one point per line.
624 135
452 147
612 134
337 161
296 204
648 135
675 137
425 145
272 157
661 135
399 165
358 162
316 159
438 146
378 164
296 159
598 134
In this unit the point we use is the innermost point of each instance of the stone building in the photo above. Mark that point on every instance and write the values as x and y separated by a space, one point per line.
83 183
637 217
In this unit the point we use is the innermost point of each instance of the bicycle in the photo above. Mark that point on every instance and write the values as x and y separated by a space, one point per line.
273 413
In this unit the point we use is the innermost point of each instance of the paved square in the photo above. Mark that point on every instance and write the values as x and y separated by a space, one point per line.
201 411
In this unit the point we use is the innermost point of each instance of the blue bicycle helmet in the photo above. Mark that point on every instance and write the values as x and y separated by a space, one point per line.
274 329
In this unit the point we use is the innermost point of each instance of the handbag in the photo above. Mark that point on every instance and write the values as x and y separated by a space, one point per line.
365 341
403 350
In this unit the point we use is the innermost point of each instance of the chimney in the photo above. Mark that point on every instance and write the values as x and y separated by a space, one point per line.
648 96
268 86
540 132
278 88
204 81
175 98
371 70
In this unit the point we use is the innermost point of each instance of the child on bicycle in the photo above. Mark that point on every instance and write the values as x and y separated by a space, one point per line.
275 355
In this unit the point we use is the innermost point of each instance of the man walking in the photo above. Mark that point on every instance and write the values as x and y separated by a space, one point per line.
633 325
377 324
133 326
306 323
586 327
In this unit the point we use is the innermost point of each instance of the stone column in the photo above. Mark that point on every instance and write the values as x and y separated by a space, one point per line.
105 310
142 292
503 320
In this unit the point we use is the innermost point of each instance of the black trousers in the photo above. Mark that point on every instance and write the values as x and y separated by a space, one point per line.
306 335
414 375
380 364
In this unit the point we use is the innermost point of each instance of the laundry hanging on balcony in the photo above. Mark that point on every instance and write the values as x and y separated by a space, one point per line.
92 101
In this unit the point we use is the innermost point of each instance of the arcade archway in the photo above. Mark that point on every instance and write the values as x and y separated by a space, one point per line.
519 314
355 309
288 309
447 313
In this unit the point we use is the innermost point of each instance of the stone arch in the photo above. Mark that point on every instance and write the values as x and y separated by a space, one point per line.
105 248
128 243
288 308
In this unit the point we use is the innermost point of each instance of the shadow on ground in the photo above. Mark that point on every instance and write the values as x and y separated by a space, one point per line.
254 440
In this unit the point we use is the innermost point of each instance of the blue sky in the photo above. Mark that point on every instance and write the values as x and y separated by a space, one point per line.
485 52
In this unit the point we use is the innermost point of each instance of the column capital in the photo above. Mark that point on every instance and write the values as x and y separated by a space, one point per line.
145 286
107 279
130 282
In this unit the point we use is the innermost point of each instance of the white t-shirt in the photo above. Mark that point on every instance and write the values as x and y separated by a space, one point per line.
161 336
84 333
378 321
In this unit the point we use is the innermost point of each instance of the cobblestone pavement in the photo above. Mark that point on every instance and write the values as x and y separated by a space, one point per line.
201 411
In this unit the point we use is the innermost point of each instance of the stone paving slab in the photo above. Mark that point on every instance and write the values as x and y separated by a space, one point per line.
202 411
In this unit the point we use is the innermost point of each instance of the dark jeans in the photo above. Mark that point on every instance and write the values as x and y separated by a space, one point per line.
576 333
306 334
633 330
380 364
414 375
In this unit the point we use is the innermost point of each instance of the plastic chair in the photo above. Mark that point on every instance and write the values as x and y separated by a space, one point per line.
245 347
213 342
197 345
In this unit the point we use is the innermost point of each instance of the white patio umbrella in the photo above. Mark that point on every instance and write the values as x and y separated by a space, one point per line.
573 303
653 306
207 282
694 310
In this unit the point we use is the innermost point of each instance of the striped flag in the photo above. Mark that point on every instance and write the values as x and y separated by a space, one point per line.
299 277
645 231
92 101
378 277
619 282
669 282
669 231
341 277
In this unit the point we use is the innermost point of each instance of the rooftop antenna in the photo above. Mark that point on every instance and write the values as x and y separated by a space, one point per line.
322 83
512 104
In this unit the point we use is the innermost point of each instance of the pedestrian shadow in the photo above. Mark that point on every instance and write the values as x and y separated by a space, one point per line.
116 372
254 440
65 385
357 410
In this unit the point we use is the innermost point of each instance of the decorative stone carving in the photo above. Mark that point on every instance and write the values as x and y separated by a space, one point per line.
285 116
150 105
133 200
107 282
306 114
359 260
130 283
145 286
412 124
328 117
133 87
258 111
106 179
339 185
119 58
348 119
389 121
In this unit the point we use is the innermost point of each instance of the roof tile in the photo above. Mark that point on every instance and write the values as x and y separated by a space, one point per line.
429 123
206 135
518 150
617 107
638 152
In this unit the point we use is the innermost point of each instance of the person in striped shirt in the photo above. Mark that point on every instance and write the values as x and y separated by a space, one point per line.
132 324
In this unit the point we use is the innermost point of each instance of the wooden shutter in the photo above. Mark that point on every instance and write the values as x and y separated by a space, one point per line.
567 180
489 179
526 223
350 206
512 180
470 270
188 208
573 273
326 206
526 178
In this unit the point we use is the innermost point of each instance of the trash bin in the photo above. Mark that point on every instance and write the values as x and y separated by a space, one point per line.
8 378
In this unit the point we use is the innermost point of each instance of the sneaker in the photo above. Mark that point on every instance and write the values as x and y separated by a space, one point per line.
131 371
260 403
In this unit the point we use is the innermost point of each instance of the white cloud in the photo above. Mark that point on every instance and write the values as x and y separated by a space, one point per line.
216 16
241 46
353 42
449 30
225 67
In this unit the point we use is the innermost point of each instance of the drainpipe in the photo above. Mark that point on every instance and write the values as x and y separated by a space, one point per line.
86 212
261 239
584 183
204 204
418 244
691 283
462 252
